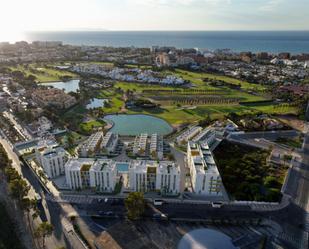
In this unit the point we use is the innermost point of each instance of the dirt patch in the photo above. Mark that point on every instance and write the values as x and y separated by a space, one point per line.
292 121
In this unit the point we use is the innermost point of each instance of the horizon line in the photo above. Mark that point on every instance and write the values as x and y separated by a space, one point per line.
141 30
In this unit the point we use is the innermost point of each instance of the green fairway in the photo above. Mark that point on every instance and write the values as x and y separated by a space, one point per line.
92 125
178 105
42 73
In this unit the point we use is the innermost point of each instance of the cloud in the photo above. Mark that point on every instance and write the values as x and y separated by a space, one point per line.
271 5
177 2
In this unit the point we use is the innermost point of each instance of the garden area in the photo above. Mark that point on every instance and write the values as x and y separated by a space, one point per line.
246 174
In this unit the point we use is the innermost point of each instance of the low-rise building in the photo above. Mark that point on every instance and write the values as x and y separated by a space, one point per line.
53 97
140 145
205 176
156 146
151 176
110 142
206 136
52 158
188 134
92 145
44 124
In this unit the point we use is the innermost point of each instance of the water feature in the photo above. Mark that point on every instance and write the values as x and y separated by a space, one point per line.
122 167
133 125
68 86
95 103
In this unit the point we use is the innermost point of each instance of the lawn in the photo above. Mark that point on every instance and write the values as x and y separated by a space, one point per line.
90 126
42 73
171 109
197 78
140 87
176 115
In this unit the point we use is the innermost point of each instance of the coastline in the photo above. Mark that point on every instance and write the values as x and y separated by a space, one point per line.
237 41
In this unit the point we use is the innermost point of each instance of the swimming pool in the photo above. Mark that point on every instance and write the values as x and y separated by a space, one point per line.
122 167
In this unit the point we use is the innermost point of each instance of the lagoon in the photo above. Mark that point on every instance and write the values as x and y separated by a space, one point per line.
132 125
68 86
96 103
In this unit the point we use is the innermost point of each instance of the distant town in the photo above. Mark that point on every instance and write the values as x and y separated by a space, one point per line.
98 135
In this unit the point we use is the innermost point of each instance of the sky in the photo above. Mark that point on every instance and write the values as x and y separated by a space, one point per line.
47 15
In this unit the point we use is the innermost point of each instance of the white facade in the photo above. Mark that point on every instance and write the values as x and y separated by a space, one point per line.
188 134
83 173
45 124
206 136
156 146
52 159
91 145
140 144
77 173
110 142
147 176
204 173
103 175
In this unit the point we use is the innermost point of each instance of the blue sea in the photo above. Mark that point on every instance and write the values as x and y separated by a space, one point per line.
255 41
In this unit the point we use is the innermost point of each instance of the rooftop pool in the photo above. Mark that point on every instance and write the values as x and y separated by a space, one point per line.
132 125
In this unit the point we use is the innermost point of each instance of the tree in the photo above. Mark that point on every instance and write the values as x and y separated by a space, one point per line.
135 205
286 159
19 188
30 204
44 230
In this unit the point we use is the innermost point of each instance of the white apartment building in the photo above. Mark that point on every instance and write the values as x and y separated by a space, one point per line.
204 173
156 146
206 136
140 144
52 158
83 173
77 173
92 145
148 176
110 141
44 124
103 175
188 134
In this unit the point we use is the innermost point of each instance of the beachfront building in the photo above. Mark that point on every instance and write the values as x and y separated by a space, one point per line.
140 145
52 158
150 176
110 142
204 173
92 145
188 134
156 147
103 175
